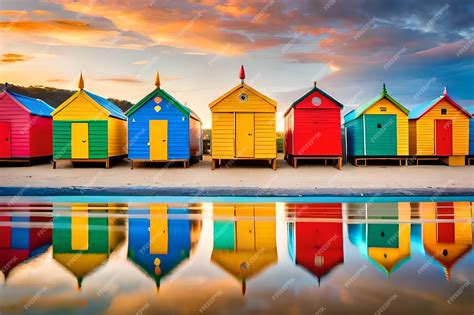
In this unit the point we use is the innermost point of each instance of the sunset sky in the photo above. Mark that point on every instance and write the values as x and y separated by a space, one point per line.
349 47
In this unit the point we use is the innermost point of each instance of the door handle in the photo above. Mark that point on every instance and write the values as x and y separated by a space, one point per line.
84 141
250 134
163 140
7 139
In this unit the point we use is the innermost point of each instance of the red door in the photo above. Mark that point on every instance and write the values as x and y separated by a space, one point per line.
446 230
444 137
5 141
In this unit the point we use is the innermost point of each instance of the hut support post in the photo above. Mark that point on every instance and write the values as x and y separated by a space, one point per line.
339 163
274 164
132 165
107 163
54 164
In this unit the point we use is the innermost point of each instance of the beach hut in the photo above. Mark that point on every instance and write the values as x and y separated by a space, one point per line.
447 242
157 245
439 129
387 245
317 246
313 128
377 130
20 244
88 128
161 129
84 238
25 128
245 244
471 138
243 125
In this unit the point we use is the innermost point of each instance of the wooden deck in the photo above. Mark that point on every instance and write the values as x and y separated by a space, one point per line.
107 161
216 163
402 160
28 161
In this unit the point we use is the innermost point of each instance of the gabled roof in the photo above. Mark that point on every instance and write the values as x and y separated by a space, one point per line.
162 93
357 112
240 86
33 105
423 108
314 89
113 109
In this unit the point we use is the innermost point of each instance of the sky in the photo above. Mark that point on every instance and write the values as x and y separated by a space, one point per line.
349 47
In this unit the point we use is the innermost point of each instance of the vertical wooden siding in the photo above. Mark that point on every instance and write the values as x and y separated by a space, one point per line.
425 127
41 136
195 137
471 136
355 137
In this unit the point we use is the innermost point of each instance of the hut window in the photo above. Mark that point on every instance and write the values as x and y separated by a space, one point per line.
444 111
316 101
379 126
243 97
383 109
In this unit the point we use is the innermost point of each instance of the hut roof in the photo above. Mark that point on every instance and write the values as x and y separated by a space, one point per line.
33 105
357 112
113 109
162 93
240 86
314 89
423 108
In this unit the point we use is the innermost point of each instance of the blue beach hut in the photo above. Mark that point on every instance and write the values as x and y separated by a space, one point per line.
161 129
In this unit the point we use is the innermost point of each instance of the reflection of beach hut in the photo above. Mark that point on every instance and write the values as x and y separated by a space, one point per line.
313 128
447 242
158 244
244 239
161 129
386 244
439 129
316 246
243 125
82 243
22 238
25 128
377 130
88 127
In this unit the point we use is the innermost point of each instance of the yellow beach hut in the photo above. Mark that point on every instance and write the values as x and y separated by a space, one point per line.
88 128
439 129
243 125
447 242
244 239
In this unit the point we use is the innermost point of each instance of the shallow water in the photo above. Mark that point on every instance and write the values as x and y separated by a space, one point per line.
147 256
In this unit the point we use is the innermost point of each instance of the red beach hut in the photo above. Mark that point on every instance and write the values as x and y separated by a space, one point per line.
25 128
313 128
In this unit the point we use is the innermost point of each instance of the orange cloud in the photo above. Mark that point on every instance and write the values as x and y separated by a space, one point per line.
12 57
119 79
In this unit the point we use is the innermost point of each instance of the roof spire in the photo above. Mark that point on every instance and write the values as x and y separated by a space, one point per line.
315 83
445 91
242 74
81 82
384 89
244 287
157 80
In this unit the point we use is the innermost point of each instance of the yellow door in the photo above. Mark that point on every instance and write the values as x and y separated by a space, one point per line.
245 134
245 221
80 140
79 227
158 229
159 140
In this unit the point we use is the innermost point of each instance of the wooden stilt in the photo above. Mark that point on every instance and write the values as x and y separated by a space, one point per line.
107 163
274 164
213 164
295 162
339 163
54 165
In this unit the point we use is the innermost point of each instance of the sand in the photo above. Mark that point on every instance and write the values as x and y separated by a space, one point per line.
253 174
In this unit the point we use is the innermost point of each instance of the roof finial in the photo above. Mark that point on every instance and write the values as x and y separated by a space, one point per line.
157 80
242 74
384 90
315 82
81 82
445 91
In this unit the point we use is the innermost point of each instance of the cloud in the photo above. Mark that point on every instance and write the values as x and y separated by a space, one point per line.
12 58
123 79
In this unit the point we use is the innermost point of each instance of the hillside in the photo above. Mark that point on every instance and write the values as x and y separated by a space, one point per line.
55 97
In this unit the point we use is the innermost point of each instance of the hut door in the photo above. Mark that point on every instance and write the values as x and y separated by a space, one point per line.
5 141
79 227
159 229
245 135
80 140
245 227
444 137
159 140
381 135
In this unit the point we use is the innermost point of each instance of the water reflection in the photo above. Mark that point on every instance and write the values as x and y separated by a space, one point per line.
244 239
158 244
243 257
